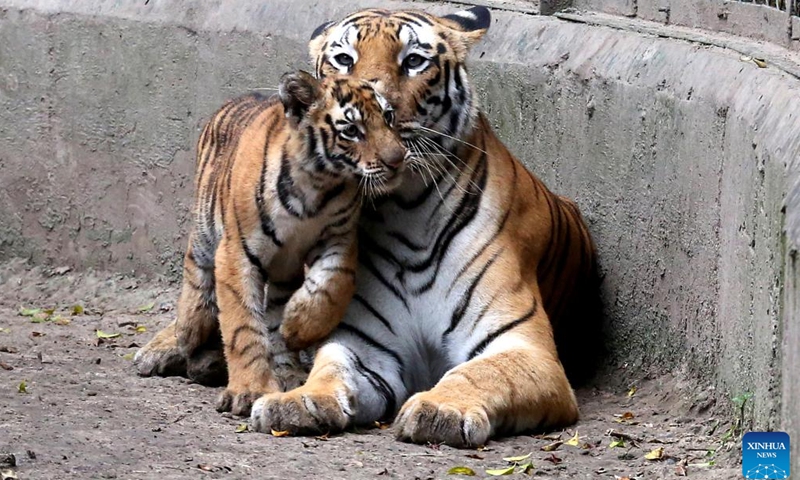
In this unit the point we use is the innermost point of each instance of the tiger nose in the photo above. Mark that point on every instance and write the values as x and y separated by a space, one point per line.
393 157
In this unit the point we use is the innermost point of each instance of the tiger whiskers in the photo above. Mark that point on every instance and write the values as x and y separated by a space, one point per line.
438 151
443 134
423 152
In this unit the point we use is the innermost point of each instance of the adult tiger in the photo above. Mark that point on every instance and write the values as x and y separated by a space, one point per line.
459 274
461 270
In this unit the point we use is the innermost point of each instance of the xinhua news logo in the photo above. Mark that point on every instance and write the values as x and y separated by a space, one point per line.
765 455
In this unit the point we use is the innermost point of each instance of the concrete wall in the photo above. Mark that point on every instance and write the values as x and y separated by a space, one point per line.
680 156
738 17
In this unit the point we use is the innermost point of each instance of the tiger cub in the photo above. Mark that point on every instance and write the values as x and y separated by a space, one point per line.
279 185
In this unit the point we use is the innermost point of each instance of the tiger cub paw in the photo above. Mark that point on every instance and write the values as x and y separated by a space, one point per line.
300 413
238 403
161 356
303 325
429 418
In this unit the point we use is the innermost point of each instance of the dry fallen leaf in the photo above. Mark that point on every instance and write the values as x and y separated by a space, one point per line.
128 356
680 470
6 366
550 447
77 310
323 438
475 456
146 308
59 320
241 428
624 417
381 425
461 471
656 454
618 442
553 459
632 391
501 471
760 62
282 433
102 334
29 312
141 329
517 459
574 441
526 468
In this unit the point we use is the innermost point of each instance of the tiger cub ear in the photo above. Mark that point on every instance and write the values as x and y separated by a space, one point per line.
298 91
471 24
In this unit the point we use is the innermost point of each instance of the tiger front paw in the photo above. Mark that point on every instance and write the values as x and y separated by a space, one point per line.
237 402
429 418
161 356
300 413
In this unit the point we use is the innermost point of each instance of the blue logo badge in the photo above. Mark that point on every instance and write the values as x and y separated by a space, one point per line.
765 455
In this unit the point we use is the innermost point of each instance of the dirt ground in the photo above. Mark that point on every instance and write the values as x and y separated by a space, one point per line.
84 413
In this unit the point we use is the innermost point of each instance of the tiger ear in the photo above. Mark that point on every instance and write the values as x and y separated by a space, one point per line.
471 24
298 91
321 29
317 40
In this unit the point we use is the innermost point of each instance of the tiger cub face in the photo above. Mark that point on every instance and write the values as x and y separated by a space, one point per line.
348 129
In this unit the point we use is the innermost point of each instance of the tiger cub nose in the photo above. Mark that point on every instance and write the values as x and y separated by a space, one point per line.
393 157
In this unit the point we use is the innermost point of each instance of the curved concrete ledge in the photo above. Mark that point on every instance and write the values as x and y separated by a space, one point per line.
683 158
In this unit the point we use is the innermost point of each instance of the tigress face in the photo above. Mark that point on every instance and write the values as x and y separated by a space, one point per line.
416 60
348 128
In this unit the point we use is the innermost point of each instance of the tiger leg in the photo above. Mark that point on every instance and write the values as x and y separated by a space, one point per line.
191 344
240 298
512 383
354 381
287 366
319 305
197 326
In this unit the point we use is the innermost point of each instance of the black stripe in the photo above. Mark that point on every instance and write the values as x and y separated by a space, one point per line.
326 199
406 242
239 330
251 256
373 269
374 312
372 343
494 236
285 187
555 237
505 328
463 303
463 215
317 289
232 290
336 269
380 385
415 202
